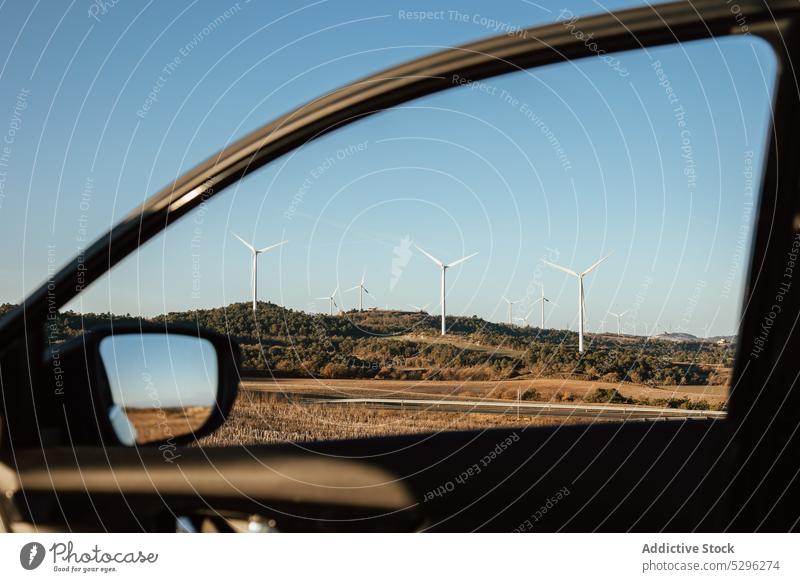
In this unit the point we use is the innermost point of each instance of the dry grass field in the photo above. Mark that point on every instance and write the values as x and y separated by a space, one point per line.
157 424
282 410
549 389
269 417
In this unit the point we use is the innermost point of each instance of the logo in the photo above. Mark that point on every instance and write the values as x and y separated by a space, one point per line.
31 555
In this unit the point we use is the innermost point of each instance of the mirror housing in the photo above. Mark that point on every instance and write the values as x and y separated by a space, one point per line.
147 384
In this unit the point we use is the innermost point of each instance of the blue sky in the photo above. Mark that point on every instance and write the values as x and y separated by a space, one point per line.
571 161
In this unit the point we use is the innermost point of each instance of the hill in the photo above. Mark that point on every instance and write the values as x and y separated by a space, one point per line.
408 346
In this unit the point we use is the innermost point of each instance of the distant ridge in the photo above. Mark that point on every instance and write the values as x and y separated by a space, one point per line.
407 345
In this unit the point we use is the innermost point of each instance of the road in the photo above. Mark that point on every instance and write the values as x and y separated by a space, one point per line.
371 394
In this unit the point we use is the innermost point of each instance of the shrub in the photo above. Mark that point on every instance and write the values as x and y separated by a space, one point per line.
608 395
698 405
334 370
671 402
530 394
719 378
592 373
635 377
564 396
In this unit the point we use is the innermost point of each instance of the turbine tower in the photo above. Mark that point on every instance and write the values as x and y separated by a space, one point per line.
541 300
331 298
444 268
254 269
619 319
361 292
510 309
581 302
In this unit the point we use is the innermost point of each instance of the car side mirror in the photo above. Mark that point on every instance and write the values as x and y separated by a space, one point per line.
152 384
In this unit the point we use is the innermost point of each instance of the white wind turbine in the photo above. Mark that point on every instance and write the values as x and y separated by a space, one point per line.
254 268
361 291
619 320
510 309
331 298
581 302
541 300
524 320
444 268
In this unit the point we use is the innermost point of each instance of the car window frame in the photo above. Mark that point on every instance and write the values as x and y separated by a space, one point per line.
636 28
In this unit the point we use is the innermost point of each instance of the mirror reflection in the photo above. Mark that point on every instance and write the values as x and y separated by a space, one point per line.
162 385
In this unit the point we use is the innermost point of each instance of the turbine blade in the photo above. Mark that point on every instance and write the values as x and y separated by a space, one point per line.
244 242
460 260
430 256
351 289
560 268
321 298
597 264
269 248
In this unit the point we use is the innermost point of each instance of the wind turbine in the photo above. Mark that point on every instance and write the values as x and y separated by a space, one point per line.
541 300
510 309
581 306
444 268
619 318
361 292
524 320
254 268
331 298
